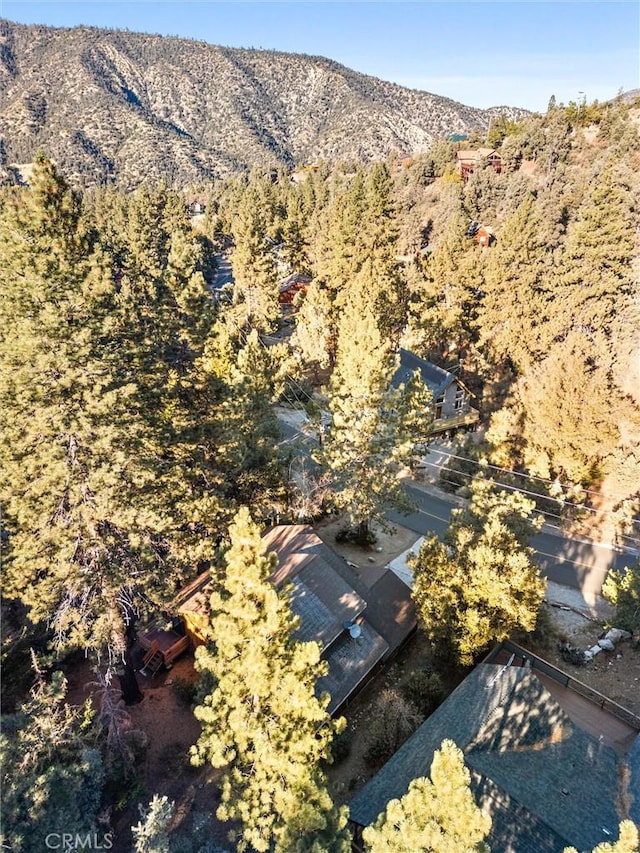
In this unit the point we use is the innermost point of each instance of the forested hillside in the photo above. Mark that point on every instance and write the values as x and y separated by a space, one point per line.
138 426
118 106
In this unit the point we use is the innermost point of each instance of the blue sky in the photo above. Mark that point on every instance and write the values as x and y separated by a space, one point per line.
480 53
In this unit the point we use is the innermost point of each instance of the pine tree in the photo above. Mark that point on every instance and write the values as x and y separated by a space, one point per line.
445 302
597 281
294 234
572 418
481 583
436 815
109 436
254 267
387 289
151 833
247 452
262 723
515 307
313 339
52 775
374 425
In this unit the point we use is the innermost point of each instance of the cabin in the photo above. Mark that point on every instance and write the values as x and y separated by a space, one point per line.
546 755
291 286
359 621
470 160
482 235
196 207
400 164
451 399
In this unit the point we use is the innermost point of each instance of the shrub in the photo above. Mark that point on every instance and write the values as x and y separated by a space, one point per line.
423 689
185 690
394 719
341 745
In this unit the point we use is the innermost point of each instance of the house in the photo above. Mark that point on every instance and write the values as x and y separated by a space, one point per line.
400 164
468 161
196 207
359 618
547 762
483 236
451 398
291 286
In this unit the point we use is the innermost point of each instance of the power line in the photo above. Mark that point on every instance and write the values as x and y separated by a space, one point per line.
624 536
522 474
535 550
521 490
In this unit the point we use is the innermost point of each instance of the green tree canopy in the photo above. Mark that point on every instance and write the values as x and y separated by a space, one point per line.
481 583
262 724
374 425
109 420
52 776
436 815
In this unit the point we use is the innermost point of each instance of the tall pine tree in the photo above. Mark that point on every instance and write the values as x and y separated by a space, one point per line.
262 724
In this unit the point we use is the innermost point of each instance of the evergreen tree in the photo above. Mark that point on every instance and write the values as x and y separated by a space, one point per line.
597 280
262 723
514 310
52 776
247 453
313 339
387 291
294 234
436 815
254 266
445 302
109 428
374 425
151 833
344 248
481 583
622 589
572 419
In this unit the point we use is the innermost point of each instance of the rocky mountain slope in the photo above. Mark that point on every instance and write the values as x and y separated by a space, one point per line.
117 105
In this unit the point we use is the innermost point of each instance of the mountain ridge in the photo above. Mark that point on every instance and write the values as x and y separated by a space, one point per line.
112 105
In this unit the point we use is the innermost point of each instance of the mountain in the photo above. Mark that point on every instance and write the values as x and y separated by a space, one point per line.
110 104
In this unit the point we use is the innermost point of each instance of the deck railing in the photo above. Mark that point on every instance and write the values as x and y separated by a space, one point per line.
568 681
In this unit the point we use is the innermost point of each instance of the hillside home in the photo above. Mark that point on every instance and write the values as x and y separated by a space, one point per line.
549 759
469 161
291 286
482 235
360 617
196 207
451 399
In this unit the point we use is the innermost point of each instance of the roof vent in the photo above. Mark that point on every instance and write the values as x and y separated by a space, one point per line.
353 628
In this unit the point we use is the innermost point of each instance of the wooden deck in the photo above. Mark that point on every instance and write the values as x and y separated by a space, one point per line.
592 719
593 713
170 643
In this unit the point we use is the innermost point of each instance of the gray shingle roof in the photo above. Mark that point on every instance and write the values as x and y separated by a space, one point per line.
546 783
350 660
435 378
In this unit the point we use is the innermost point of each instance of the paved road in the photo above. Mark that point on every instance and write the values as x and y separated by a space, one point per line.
581 564
576 563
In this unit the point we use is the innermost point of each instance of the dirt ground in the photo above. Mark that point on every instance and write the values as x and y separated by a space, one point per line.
614 674
389 544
